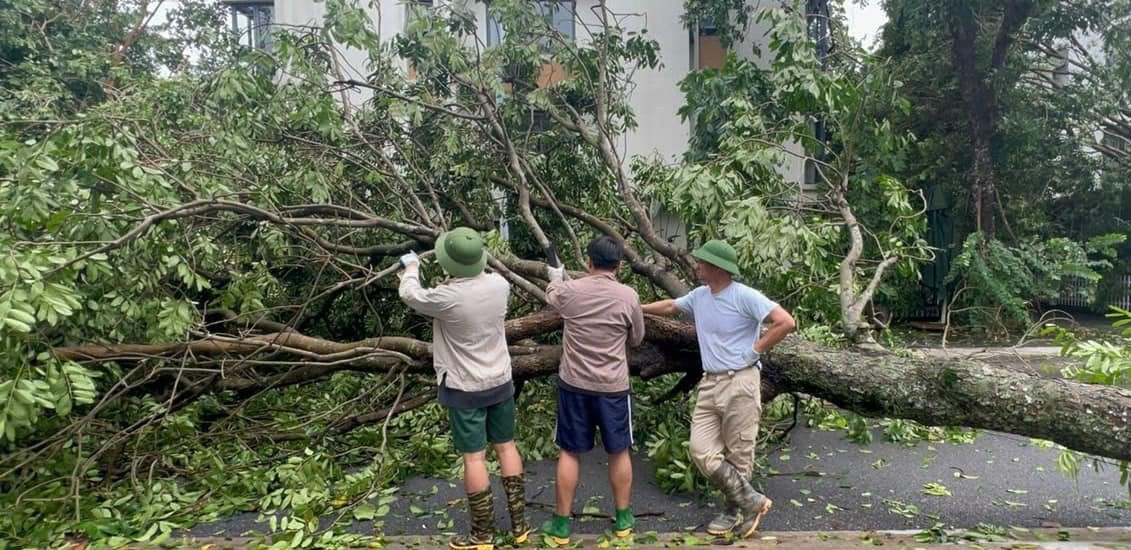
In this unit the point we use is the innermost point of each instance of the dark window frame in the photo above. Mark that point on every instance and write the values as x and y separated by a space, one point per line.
553 9
256 19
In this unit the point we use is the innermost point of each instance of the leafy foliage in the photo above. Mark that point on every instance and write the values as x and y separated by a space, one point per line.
1100 362
197 316
823 244
729 18
1050 76
185 208
999 284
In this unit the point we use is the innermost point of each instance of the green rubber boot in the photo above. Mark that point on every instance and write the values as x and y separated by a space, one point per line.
625 522
557 529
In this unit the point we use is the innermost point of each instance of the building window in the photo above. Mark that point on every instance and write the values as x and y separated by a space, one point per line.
251 22
709 47
495 31
416 8
817 20
559 15
540 121
707 27
561 18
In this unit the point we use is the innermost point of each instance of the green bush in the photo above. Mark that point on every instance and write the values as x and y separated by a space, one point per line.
998 285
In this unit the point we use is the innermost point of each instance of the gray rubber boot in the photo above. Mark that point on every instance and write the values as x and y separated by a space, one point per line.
726 521
752 504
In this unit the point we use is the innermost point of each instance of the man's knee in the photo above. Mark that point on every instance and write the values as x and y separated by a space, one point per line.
622 458
706 458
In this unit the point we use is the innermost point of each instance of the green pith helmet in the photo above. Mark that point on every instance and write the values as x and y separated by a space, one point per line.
460 252
718 254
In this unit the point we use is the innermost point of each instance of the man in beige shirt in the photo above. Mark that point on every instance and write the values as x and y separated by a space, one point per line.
602 318
473 373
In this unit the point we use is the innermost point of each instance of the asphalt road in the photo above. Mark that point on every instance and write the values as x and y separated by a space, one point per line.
823 483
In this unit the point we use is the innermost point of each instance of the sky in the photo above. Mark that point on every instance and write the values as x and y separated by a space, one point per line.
865 17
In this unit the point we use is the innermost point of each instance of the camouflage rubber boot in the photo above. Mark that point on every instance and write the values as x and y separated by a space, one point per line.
481 508
751 520
726 521
751 503
515 487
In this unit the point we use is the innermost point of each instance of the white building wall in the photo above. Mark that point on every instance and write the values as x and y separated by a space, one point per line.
654 94
757 38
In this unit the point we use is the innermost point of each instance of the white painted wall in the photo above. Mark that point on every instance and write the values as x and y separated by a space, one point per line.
757 37
654 94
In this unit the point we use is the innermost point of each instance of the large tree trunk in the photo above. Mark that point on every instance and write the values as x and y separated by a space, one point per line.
979 100
944 391
935 391
978 93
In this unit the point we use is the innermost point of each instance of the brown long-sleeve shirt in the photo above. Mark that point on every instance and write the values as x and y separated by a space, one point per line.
602 318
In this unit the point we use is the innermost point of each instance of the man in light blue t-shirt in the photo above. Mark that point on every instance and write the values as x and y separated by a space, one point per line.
724 427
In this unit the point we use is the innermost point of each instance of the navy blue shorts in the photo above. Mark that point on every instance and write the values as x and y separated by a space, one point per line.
580 415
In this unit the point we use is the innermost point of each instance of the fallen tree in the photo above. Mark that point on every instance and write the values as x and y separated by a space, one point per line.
1089 418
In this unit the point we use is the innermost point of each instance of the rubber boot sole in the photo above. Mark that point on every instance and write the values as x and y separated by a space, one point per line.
472 546
559 540
757 519
728 530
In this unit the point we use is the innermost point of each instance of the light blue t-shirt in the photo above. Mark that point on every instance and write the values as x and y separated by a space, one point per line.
727 323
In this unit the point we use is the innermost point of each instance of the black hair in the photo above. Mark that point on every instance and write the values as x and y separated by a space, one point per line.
605 253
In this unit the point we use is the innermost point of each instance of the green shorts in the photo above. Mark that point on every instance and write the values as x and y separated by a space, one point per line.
473 428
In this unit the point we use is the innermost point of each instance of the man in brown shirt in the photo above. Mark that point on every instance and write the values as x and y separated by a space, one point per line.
602 318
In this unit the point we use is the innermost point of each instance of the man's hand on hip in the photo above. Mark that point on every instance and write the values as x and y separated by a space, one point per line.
751 358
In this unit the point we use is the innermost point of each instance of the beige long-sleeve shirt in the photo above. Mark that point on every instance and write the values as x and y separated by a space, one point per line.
602 318
469 346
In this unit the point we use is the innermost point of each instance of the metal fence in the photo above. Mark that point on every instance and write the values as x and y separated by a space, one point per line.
1123 301
1077 292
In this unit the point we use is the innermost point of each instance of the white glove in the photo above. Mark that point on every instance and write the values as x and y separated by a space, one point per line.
555 273
752 358
410 259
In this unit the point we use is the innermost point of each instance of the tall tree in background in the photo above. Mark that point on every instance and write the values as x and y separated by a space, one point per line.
979 36
1006 123
999 58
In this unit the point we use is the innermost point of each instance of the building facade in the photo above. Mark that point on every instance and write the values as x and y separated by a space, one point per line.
655 99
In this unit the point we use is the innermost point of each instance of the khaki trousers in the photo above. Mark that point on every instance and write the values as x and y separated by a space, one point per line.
724 425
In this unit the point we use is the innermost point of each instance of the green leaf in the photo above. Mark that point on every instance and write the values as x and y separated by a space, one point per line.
365 511
63 405
47 163
16 325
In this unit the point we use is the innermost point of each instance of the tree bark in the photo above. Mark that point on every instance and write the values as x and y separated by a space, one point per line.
979 99
943 391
